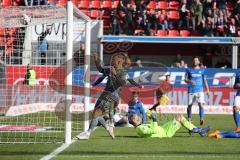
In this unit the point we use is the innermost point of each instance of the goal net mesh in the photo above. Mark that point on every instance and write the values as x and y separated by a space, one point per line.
33 73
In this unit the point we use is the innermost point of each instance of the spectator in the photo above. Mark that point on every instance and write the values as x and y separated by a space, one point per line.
237 12
116 28
30 76
183 64
232 28
221 5
129 26
208 27
220 23
141 5
162 22
138 63
184 12
223 63
208 5
144 22
78 56
196 10
43 46
152 22
125 3
176 64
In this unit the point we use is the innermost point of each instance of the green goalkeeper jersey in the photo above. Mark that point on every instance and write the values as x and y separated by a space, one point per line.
153 130
166 130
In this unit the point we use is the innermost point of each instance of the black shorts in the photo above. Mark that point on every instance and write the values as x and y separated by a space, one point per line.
107 101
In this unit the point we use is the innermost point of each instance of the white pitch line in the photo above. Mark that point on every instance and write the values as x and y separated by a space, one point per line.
58 150
144 156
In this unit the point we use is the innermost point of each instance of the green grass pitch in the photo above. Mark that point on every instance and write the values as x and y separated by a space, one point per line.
128 146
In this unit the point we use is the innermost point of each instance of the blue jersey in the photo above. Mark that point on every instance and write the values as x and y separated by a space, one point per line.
137 108
237 80
197 76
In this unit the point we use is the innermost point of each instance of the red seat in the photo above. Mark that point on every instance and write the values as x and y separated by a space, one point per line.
173 15
7 3
196 34
173 33
86 12
184 33
84 4
151 5
62 2
162 5
2 31
173 5
107 4
115 4
161 33
96 4
75 2
95 14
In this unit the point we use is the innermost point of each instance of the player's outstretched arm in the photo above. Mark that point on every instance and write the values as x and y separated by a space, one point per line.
99 80
134 83
99 65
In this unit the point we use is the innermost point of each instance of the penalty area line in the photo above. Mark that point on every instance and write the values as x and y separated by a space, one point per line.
58 150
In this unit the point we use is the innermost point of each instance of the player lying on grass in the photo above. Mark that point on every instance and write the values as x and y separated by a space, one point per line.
117 77
218 134
236 107
196 79
136 112
168 129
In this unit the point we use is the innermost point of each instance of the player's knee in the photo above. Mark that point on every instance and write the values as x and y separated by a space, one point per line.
97 112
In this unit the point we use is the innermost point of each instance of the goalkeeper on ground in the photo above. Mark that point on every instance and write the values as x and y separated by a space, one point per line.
168 129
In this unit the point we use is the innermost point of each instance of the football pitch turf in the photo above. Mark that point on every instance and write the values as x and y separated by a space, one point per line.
127 145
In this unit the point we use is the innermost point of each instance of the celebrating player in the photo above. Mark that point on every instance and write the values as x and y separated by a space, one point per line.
117 77
135 112
236 107
168 129
195 77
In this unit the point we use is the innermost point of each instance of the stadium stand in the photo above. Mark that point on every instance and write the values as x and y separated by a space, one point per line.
190 18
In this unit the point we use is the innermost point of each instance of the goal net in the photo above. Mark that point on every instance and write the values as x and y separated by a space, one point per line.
44 51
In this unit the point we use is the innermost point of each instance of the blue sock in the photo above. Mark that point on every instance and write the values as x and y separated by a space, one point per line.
230 134
196 130
201 112
189 112
236 118
120 123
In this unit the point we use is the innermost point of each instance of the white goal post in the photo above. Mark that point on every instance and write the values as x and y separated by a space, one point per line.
41 113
